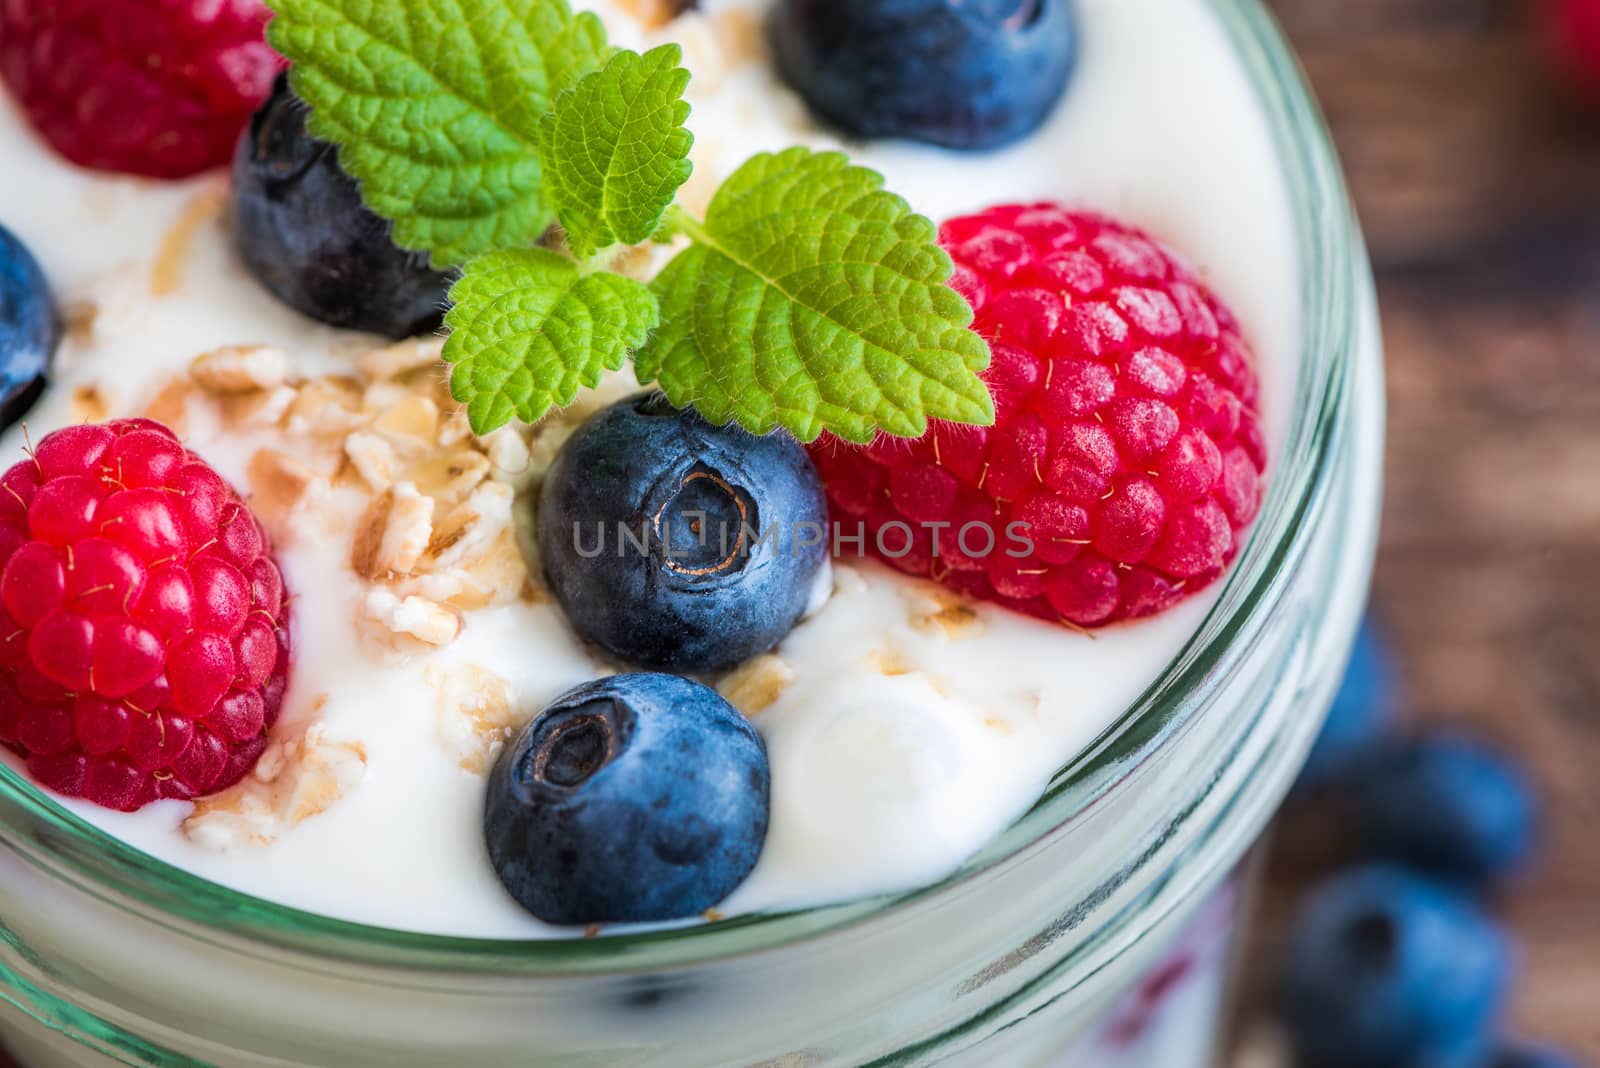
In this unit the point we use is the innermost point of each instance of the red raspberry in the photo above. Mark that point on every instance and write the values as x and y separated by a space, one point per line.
1125 431
144 632
1575 32
153 87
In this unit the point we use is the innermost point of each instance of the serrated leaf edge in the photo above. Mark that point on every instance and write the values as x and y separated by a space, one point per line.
464 313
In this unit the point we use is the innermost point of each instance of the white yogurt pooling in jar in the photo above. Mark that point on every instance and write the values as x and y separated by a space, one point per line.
906 728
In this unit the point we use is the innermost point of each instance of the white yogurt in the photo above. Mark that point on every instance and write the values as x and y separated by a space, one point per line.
901 745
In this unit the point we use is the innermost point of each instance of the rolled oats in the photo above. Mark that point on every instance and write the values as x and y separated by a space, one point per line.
452 477
499 574
401 358
258 409
173 254
374 459
508 450
379 397
455 428
392 534
90 404
548 439
170 405
470 528
887 661
306 776
757 684
652 14
412 617
475 714
280 485
935 610
327 406
636 261
240 369
739 32
411 425
79 316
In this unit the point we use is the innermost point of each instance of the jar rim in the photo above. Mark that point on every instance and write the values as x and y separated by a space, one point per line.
110 869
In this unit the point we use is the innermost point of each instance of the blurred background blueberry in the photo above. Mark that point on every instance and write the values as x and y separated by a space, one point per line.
1386 969
1444 803
1362 712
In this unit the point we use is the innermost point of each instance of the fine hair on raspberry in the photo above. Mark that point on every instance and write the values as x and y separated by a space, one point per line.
144 627
1126 439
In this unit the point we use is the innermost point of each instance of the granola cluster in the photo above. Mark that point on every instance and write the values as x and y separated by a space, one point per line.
382 459
298 777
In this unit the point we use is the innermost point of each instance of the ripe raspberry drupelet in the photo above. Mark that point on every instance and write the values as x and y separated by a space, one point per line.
144 630
154 87
1126 442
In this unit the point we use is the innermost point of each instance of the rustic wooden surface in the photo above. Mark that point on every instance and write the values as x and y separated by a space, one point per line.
1478 181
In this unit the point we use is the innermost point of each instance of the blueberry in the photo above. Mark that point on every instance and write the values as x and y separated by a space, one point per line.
966 74
1362 710
1446 804
678 545
1386 969
304 233
636 798
29 329
1525 1056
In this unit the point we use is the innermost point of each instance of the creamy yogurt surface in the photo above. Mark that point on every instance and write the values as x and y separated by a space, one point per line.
906 727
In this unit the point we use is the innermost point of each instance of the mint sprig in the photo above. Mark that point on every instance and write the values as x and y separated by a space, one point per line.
809 298
528 328
616 150
436 105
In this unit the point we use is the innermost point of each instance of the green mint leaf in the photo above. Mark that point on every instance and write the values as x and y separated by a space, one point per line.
615 149
814 300
436 105
529 327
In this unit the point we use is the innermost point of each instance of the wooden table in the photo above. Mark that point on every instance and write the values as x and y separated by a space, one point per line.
1479 185
1478 182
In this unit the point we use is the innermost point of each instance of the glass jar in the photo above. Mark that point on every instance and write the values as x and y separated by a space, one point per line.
1093 931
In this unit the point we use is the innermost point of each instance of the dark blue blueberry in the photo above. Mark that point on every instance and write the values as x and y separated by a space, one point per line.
679 545
1362 711
636 798
1446 804
1525 1056
967 74
1386 969
303 231
29 329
